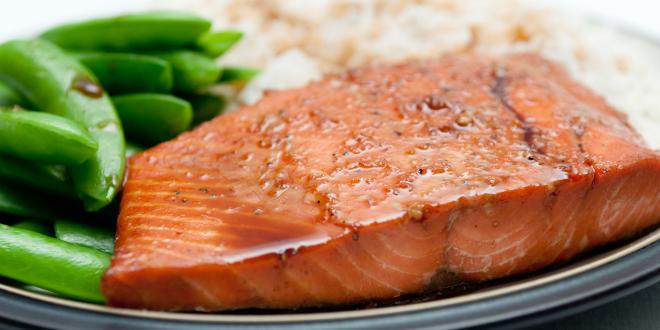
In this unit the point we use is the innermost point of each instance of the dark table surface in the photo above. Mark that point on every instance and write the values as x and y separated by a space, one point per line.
639 311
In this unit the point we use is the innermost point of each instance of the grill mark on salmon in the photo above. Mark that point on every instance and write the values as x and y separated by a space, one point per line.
381 182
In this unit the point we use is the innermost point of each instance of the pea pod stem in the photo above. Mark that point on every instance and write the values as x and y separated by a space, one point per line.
54 82
216 43
68 269
153 118
139 31
233 74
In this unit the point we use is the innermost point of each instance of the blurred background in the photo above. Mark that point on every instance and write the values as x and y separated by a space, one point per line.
27 16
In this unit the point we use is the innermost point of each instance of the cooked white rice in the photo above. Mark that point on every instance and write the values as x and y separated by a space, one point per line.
296 41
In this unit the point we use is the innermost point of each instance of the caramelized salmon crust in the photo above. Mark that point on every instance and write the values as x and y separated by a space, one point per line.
380 182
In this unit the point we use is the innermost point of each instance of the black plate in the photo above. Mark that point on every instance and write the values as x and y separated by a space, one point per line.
571 289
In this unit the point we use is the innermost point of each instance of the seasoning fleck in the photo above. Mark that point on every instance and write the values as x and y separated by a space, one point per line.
464 119
88 87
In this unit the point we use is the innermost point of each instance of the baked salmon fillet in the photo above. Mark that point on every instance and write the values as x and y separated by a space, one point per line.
381 182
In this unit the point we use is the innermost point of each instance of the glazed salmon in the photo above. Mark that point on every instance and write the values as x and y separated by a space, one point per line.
381 182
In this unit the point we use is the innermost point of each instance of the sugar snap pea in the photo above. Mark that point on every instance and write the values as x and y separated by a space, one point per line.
153 118
191 70
97 237
206 106
9 97
52 179
45 138
140 31
68 269
40 227
121 73
215 44
54 82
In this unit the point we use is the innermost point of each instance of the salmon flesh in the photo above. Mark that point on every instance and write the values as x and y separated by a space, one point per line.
378 183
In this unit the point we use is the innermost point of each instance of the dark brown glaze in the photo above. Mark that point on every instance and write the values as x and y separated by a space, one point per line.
381 182
87 87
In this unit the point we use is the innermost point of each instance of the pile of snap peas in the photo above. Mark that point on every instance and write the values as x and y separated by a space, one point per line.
68 99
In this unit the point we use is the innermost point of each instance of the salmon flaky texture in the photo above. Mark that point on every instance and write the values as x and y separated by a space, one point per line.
378 183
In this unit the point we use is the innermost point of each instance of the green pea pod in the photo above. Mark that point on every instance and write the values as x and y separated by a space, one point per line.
191 70
215 44
99 238
9 97
48 178
44 137
121 73
55 82
153 118
206 106
68 269
140 31
28 204
232 74
35 226
132 149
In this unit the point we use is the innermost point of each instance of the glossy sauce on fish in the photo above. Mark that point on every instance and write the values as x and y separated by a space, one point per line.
380 182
